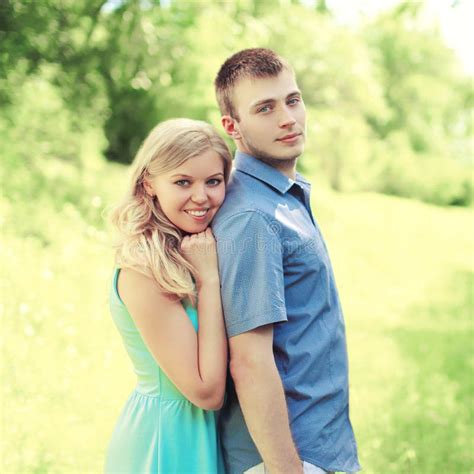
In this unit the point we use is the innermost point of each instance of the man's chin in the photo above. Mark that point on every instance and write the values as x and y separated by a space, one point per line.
276 154
290 154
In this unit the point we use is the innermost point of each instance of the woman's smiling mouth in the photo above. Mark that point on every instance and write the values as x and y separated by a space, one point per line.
197 213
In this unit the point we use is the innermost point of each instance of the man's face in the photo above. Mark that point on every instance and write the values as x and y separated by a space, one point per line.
272 118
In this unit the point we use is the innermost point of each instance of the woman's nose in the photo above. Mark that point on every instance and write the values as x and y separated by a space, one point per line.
199 195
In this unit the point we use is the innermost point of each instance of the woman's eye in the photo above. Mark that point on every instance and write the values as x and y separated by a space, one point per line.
214 182
182 182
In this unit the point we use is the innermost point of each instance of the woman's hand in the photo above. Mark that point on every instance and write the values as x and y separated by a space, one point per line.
200 251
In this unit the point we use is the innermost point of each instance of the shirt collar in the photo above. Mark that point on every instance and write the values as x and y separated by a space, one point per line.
258 169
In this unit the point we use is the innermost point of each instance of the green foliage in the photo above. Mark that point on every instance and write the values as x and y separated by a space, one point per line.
427 137
46 160
57 32
124 131
38 124
389 108
431 178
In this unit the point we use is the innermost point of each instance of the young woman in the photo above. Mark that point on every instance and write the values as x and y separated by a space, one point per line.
165 302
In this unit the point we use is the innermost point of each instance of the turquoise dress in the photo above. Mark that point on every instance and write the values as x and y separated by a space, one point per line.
159 429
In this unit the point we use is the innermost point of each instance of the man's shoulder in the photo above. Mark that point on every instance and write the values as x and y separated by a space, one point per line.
240 192
243 194
240 220
246 190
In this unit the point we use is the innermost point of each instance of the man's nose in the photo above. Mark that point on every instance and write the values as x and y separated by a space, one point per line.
286 118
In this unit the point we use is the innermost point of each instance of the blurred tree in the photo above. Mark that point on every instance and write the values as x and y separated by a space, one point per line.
52 31
418 90
392 94
429 98
142 62
321 7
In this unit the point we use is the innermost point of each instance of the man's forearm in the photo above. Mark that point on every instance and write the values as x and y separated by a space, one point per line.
263 404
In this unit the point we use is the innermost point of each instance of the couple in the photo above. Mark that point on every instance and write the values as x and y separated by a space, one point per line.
265 282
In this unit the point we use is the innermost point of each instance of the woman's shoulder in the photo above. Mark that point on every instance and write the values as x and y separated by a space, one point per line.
133 276
135 288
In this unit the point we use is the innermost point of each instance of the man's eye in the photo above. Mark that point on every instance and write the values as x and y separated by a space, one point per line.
264 109
294 101
214 181
182 182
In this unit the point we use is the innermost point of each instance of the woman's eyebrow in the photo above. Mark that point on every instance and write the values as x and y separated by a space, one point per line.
187 176
181 176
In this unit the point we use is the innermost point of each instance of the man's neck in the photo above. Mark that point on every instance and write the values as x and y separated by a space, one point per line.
286 167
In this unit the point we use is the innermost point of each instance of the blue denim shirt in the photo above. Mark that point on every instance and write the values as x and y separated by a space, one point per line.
275 269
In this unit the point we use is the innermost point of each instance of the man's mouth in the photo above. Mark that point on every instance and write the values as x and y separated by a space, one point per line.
291 137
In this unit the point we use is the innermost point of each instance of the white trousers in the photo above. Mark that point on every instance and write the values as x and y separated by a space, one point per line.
308 469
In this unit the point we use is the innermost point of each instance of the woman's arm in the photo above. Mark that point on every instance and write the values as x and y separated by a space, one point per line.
212 341
195 362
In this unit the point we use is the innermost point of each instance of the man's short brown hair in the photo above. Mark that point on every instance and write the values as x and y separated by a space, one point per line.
254 62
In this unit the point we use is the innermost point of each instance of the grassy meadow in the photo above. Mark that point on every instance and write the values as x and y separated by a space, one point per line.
404 271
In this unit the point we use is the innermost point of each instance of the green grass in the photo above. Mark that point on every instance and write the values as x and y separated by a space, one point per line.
429 426
404 273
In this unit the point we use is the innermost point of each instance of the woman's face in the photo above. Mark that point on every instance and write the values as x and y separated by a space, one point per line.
191 194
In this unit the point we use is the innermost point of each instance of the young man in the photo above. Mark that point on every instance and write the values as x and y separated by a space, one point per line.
287 404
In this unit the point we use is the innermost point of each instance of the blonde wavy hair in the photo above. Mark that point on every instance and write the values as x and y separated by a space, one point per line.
147 241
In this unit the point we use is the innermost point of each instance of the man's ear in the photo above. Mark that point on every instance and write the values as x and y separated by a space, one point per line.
230 128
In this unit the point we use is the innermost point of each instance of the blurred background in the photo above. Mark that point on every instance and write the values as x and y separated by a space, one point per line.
389 94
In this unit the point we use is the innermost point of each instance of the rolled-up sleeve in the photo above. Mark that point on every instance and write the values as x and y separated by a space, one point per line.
251 271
